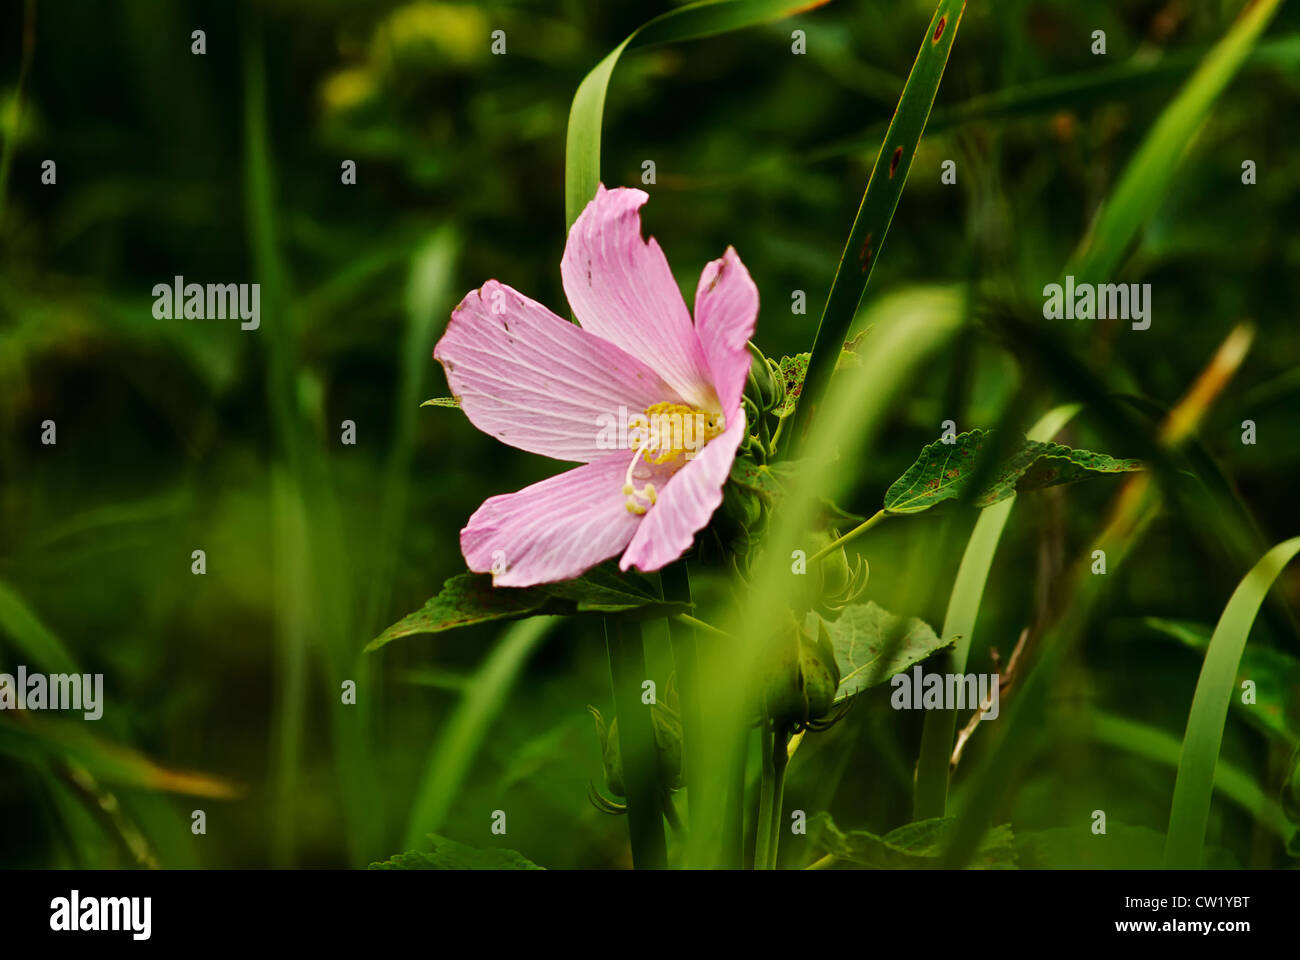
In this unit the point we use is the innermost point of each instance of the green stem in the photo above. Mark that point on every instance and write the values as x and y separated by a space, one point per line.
676 582
766 792
780 760
776 758
690 621
636 742
733 828
853 534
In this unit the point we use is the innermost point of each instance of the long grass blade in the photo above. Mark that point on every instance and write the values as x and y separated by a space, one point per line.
459 741
1195 784
884 187
1149 174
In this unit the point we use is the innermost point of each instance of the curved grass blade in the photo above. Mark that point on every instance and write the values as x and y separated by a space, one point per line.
884 187
462 735
106 760
1148 175
1195 784
31 637
940 726
582 143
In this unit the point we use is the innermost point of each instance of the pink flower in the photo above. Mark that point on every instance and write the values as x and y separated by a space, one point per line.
542 384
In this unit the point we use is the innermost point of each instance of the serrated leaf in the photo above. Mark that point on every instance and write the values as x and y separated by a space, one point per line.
450 855
944 471
451 402
469 598
466 599
913 846
792 372
872 644
758 477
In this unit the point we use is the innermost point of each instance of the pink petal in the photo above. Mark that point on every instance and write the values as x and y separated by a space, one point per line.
620 288
726 309
538 382
553 530
685 503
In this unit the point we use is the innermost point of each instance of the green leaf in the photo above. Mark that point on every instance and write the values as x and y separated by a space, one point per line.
1147 177
469 598
944 471
451 402
600 590
884 187
913 846
1190 811
450 855
761 478
793 370
871 645
582 142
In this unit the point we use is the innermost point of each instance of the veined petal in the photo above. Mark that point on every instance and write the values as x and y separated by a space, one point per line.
686 503
726 309
620 288
553 530
538 382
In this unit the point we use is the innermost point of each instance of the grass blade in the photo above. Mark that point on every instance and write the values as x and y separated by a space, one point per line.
461 737
31 637
1195 784
884 187
1149 174
582 144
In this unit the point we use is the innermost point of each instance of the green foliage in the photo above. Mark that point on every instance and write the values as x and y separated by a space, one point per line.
945 471
450 855
586 115
1214 689
1147 178
1275 675
880 200
913 846
469 598
871 645
792 370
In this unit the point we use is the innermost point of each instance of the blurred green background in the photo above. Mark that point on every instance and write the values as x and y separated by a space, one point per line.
177 435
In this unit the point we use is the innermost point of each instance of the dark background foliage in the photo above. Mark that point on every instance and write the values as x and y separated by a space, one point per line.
176 435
